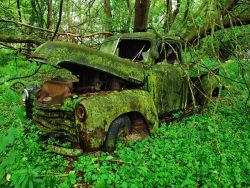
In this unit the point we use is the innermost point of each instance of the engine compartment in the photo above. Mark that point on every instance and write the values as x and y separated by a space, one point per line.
88 82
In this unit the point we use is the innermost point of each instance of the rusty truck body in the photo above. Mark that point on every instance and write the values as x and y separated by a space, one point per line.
126 87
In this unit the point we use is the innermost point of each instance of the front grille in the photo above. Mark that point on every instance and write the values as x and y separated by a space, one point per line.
55 121
47 113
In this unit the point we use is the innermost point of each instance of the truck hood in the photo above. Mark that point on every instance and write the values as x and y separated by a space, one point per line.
74 57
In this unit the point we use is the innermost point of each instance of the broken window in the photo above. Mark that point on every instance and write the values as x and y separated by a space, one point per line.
133 49
136 50
169 52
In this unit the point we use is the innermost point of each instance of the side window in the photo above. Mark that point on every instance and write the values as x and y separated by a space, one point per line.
169 52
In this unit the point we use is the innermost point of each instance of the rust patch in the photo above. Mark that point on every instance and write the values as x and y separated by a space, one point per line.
139 129
53 92
99 132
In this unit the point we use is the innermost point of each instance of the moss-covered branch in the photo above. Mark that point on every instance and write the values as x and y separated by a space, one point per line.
15 39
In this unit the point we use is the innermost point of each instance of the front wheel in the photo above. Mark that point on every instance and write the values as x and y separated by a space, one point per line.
120 127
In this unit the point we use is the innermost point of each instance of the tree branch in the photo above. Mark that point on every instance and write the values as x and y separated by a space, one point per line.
50 31
193 33
227 23
18 50
26 25
11 39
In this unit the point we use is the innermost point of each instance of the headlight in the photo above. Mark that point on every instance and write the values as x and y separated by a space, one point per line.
25 95
27 92
80 112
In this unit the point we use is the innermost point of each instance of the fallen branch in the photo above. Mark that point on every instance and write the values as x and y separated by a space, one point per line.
8 46
194 33
15 49
89 35
12 39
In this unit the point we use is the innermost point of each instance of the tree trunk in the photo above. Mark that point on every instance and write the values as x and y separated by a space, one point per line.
169 14
129 16
49 16
19 10
108 14
141 15
40 14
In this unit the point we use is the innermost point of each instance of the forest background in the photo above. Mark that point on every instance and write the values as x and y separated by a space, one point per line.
209 149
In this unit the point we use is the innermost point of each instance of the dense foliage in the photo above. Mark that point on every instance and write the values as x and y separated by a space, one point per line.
206 149
41 20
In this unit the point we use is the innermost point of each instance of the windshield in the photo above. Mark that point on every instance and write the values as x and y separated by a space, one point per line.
109 46
133 49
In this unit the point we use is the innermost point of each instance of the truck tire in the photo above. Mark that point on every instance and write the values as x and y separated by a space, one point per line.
121 123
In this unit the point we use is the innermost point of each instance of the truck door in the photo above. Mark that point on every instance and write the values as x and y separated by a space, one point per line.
167 82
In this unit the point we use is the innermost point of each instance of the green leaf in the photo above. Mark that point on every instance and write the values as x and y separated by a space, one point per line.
124 185
109 157
31 185
211 130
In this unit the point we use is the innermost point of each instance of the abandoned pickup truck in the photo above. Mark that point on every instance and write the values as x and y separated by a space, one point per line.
124 88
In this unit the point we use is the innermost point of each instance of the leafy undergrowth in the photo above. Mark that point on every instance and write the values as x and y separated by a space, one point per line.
209 149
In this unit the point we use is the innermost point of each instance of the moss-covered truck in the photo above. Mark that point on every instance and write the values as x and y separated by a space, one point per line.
126 87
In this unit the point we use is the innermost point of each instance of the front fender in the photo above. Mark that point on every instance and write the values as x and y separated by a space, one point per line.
102 109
